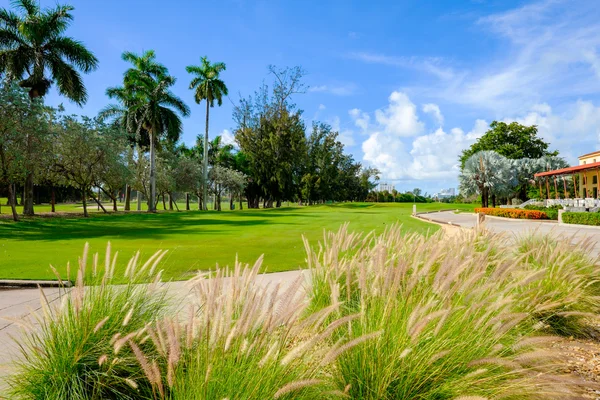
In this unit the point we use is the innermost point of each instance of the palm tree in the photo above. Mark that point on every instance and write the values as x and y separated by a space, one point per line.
147 106
209 87
35 52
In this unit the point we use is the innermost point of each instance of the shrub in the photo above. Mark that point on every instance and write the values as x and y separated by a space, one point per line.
551 212
582 218
444 309
513 213
67 357
561 283
243 341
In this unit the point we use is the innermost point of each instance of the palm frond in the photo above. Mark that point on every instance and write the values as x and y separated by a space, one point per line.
178 104
68 80
55 21
29 6
74 51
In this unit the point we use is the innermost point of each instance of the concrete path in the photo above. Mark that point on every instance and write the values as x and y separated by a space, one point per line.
19 305
518 226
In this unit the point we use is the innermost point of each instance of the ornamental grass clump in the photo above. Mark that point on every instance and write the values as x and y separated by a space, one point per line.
244 340
444 311
78 351
561 282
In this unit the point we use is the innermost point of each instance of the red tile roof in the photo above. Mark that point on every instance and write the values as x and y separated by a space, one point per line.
569 170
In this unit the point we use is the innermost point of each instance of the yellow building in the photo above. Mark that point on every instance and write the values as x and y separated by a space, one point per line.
585 179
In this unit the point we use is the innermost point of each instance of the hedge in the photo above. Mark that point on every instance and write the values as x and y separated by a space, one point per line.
582 218
551 212
513 213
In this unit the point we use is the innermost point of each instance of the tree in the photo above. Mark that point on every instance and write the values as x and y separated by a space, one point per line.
35 52
18 115
147 103
487 173
209 87
83 150
271 133
513 141
222 178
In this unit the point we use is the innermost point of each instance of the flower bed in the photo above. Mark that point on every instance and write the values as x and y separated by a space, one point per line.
513 213
581 218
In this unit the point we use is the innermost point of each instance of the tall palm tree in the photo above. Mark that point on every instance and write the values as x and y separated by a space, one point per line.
35 52
147 106
210 88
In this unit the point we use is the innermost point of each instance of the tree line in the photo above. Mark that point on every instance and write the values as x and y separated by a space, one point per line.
500 166
135 142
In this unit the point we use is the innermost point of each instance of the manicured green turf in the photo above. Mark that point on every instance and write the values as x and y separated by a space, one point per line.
195 240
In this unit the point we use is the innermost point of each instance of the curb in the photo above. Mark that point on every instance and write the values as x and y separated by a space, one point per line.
25 284
541 221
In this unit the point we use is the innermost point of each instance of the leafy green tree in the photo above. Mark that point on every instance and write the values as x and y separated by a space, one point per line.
19 116
35 52
147 103
85 151
208 87
513 141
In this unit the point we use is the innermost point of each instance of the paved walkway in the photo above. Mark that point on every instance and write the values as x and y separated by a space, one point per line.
519 226
19 305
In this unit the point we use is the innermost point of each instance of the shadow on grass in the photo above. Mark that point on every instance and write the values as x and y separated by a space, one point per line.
130 226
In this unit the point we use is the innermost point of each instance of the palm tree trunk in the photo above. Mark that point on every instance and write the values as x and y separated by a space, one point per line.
151 203
205 161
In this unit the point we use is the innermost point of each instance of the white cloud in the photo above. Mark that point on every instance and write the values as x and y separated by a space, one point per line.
361 119
322 107
227 138
434 110
347 89
573 132
400 117
427 156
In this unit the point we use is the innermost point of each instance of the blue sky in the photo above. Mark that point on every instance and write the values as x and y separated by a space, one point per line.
407 83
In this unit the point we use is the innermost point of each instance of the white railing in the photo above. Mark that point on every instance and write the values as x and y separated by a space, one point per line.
585 203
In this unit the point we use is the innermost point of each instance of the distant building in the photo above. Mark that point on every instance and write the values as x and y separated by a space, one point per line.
384 186
445 193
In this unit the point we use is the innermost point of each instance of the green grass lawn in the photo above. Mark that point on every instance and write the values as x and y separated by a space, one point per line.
195 240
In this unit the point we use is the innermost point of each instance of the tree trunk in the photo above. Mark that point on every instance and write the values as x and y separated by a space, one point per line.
53 199
218 201
97 200
230 201
170 202
241 202
494 200
84 202
173 202
28 195
164 204
151 201
205 161
12 200
187 202
115 209
278 204
200 204
127 198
